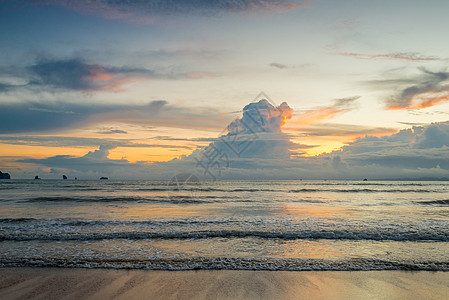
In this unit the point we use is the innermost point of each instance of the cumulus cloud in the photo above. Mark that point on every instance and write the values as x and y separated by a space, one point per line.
94 162
254 147
151 9
257 134
428 89
420 148
411 153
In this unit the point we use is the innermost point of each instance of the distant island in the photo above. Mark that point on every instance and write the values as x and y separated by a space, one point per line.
104 178
4 175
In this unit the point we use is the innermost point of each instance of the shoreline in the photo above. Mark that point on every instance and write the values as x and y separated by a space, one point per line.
78 283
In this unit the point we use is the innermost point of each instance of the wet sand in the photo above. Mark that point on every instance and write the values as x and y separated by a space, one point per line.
54 283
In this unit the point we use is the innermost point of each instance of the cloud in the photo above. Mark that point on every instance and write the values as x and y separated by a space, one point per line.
278 65
427 89
112 131
435 135
75 74
254 147
320 113
4 87
36 117
152 9
257 134
411 153
96 162
410 150
65 141
336 129
407 56
284 66
26 117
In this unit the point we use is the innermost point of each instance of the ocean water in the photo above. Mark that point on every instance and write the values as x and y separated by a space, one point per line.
234 225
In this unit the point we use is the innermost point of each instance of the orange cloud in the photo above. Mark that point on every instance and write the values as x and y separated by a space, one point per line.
331 142
97 73
421 101
315 115
101 75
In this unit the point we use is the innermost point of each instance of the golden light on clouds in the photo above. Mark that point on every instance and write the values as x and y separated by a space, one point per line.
38 151
152 154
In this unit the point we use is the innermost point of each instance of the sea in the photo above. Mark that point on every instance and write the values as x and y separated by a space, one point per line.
225 225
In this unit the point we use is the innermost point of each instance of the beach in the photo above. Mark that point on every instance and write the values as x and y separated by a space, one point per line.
62 283
224 240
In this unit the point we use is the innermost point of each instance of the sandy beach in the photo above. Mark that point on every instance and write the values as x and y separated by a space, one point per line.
44 283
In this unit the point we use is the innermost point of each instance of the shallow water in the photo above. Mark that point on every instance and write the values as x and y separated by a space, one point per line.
269 225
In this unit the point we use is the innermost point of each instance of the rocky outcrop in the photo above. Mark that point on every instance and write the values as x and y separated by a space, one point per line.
4 175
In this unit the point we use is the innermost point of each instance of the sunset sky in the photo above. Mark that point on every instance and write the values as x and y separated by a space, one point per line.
135 83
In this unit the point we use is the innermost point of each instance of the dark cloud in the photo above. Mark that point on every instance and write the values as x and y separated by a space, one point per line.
65 141
26 117
435 135
112 131
345 103
76 74
413 123
407 56
150 9
37 117
278 65
4 87
169 138
335 129
284 66
429 89
419 91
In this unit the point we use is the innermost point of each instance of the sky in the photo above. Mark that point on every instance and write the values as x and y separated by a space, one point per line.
246 89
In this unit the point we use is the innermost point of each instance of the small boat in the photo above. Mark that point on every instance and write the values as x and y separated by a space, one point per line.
104 178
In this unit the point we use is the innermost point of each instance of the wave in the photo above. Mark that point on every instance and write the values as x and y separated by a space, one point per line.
177 199
309 190
434 202
437 236
226 263
16 220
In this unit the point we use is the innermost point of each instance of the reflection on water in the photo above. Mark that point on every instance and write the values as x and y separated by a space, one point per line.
282 225
304 211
